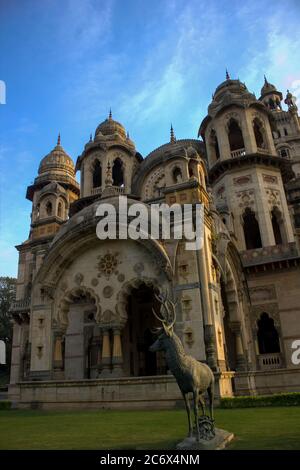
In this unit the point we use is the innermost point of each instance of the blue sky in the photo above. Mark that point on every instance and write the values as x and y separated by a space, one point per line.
65 63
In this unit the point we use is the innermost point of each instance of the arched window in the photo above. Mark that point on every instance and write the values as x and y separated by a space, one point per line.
49 208
117 173
59 209
277 225
38 211
278 134
284 153
214 145
285 131
97 175
177 175
272 104
235 136
258 132
267 335
251 230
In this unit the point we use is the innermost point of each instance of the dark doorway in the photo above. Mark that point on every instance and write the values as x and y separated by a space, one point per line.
275 215
117 173
235 135
97 175
268 338
138 335
251 230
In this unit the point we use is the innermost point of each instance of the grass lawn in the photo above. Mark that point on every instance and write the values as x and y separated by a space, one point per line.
254 428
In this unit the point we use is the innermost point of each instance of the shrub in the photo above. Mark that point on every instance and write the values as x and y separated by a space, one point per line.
5 405
278 399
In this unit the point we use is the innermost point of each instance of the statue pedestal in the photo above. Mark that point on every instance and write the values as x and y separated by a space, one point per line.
221 439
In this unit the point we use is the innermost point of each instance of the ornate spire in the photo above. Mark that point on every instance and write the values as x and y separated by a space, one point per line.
266 81
58 139
227 75
172 135
110 115
91 138
127 136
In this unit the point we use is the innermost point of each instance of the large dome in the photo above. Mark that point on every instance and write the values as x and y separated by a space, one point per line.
109 127
56 161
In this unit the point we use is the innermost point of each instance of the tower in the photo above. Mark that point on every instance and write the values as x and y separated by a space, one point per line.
52 192
245 169
111 151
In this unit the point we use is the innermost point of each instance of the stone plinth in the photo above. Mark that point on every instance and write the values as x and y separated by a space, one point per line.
221 439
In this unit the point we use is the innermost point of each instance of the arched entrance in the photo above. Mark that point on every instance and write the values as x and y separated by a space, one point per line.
138 334
77 349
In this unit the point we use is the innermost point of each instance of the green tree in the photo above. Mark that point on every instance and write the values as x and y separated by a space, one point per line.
7 296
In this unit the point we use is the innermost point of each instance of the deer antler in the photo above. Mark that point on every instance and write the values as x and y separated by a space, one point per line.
165 303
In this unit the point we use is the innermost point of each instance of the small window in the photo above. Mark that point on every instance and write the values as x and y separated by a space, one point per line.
267 335
97 175
49 208
59 209
235 136
284 153
285 131
251 230
177 175
118 173
258 132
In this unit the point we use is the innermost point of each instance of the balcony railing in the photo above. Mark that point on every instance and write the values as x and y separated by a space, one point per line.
270 361
96 190
268 254
22 305
238 153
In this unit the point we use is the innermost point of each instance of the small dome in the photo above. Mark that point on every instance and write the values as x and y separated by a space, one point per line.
267 88
109 127
56 161
235 87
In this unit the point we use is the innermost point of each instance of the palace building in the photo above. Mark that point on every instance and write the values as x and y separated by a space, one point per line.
83 320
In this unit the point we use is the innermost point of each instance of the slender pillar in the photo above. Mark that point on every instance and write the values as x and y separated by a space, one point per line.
106 356
240 356
117 359
209 336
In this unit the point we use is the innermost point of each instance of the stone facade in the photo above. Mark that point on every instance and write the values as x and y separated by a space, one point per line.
83 316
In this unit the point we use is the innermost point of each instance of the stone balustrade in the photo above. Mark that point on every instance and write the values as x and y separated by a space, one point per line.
270 361
238 153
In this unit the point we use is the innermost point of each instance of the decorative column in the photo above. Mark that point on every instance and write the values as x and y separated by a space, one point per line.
240 356
106 355
209 334
117 357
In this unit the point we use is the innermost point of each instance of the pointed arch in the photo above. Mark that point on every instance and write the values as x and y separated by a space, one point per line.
267 335
259 133
118 172
251 230
97 174
235 135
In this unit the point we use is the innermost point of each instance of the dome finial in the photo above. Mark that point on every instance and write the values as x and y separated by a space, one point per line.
110 115
91 137
266 81
58 139
172 135
227 75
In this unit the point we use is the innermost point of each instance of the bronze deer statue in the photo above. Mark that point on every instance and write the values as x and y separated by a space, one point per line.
191 375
